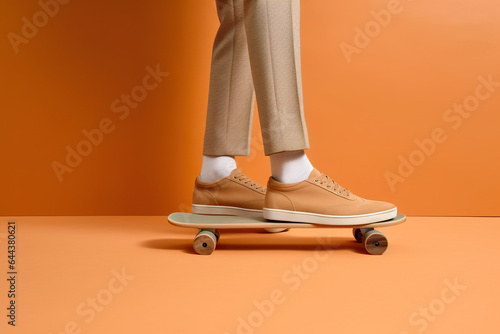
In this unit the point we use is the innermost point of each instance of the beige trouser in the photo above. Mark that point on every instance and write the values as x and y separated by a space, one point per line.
257 46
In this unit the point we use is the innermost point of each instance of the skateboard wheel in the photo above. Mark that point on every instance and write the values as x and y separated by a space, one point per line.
375 242
358 233
204 242
215 231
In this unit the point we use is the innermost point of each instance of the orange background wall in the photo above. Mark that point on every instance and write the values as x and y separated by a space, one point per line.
364 112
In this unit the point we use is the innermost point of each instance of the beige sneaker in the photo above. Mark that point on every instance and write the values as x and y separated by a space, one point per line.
233 195
320 200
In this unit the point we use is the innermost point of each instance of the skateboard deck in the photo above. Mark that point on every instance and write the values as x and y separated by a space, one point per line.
209 234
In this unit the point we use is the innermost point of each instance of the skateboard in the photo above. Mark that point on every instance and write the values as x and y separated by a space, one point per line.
205 241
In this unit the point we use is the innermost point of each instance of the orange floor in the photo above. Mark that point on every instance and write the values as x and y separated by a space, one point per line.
140 275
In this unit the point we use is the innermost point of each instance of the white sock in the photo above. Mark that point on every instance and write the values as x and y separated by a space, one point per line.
215 168
290 167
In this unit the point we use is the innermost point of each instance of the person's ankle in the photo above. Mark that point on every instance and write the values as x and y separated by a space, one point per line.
290 166
216 167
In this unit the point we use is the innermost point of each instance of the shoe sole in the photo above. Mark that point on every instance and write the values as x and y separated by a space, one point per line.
232 211
316 218
225 211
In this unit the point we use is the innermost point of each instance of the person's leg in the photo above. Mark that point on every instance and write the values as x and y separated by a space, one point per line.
231 94
221 188
273 33
296 191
